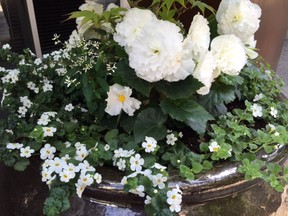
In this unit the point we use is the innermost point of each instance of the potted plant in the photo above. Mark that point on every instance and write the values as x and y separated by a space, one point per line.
134 104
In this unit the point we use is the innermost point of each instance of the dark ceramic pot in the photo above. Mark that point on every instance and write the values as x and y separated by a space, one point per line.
221 181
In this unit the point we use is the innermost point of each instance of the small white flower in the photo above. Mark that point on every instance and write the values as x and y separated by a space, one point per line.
47 152
80 189
67 144
47 87
159 166
46 175
49 131
124 180
136 163
57 164
121 164
273 112
8 131
14 146
26 152
119 98
171 139
149 145
147 200
159 180
85 167
214 147
85 180
81 153
43 120
174 199
6 46
106 147
139 190
271 127
65 176
258 97
69 107
256 110
98 178
276 133
22 111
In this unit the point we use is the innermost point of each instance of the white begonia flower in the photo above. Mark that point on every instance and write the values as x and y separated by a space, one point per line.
229 53
250 46
214 146
238 17
136 163
69 107
130 28
6 46
174 199
149 145
256 110
139 190
47 87
258 97
13 146
204 72
26 152
198 39
47 152
98 178
171 139
273 112
119 97
159 180
49 131
121 164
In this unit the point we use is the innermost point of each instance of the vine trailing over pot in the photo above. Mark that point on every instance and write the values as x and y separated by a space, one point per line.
132 89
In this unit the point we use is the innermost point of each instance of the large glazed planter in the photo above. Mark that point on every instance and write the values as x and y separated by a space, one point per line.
221 181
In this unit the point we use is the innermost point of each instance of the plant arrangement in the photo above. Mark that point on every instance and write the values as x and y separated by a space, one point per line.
131 89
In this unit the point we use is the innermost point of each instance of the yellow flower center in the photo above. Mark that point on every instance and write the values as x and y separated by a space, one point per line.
215 148
121 98
173 197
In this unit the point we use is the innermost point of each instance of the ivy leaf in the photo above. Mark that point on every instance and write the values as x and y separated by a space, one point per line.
129 75
22 164
187 111
181 89
150 122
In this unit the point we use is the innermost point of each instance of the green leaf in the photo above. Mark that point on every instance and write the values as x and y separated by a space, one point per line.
150 122
111 135
197 167
129 75
186 172
181 89
22 164
187 111
219 93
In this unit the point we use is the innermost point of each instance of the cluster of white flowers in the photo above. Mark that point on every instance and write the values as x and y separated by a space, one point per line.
26 104
120 156
47 85
32 86
6 46
119 98
11 77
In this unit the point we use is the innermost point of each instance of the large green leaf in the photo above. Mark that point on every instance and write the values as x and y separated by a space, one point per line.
150 122
220 93
130 77
188 111
181 89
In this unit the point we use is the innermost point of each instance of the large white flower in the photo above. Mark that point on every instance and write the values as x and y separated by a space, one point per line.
229 53
204 72
119 98
239 17
198 38
132 25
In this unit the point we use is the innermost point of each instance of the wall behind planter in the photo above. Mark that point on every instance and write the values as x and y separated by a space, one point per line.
273 29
